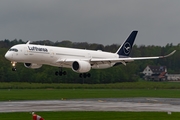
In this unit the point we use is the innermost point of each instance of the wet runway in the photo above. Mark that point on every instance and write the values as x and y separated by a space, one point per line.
122 104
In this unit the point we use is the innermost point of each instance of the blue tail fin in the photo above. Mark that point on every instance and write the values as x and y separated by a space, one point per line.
125 48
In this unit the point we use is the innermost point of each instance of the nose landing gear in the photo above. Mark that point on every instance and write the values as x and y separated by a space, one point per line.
13 66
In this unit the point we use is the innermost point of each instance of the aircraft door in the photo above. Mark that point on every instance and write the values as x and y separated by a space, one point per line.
88 56
51 53
25 51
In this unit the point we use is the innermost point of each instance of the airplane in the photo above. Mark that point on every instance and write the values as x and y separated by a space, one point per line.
79 60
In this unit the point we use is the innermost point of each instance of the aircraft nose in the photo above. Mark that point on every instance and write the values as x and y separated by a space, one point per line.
8 56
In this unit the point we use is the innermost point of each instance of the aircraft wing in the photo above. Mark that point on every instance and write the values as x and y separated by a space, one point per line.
129 59
110 60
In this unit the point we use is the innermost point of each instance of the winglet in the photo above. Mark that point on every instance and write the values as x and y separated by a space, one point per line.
28 42
168 54
126 47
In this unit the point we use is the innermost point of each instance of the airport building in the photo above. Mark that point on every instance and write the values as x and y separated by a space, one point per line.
155 73
159 73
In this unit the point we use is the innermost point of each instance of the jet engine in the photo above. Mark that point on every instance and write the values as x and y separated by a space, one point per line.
81 66
32 65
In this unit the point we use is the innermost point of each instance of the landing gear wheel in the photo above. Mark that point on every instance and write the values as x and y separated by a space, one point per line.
88 75
13 69
80 75
64 72
56 73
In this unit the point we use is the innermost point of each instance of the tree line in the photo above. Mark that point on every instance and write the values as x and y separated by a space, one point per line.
129 73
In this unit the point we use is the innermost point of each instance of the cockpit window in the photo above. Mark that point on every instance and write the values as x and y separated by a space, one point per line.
13 49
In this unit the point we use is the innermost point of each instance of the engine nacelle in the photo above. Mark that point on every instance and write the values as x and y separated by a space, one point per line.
81 66
32 65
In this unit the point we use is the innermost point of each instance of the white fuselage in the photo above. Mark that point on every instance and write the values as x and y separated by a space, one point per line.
49 55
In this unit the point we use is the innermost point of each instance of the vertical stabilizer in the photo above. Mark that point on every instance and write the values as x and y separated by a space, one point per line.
126 47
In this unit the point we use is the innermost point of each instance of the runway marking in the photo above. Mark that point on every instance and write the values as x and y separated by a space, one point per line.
154 100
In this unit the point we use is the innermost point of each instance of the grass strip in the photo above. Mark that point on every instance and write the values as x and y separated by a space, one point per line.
93 116
62 94
124 85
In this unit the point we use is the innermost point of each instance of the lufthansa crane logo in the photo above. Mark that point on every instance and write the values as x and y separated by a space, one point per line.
127 48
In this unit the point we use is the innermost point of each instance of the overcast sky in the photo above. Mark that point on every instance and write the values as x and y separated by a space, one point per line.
94 21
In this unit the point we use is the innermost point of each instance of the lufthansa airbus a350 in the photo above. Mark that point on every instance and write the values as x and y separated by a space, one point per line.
80 60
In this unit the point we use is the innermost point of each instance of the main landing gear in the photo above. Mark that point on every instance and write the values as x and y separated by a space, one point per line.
84 75
81 75
13 66
60 72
